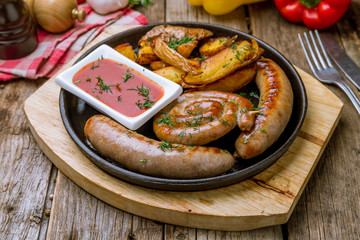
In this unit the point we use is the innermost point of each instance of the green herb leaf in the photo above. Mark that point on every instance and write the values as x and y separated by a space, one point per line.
127 75
224 122
147 104
166 145
202 58
226 65
166 120
254 94
143 3
174 42
143 91
103 86
182 133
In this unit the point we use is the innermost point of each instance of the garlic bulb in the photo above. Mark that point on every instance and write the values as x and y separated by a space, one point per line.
107 6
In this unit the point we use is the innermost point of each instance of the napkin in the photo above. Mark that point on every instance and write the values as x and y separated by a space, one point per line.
55 50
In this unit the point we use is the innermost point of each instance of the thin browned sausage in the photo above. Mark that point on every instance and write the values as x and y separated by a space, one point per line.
150 157
275 108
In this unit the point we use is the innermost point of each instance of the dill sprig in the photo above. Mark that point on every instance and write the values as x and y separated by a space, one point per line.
174 43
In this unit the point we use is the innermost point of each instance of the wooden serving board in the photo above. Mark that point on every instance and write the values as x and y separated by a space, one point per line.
263 200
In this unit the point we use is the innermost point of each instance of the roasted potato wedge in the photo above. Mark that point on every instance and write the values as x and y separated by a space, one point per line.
173 58
172 73
212 46
156 65
146 54
227 61
167 31
232 82
185 50
127 50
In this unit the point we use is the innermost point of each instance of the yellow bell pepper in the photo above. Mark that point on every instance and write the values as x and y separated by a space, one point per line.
221 7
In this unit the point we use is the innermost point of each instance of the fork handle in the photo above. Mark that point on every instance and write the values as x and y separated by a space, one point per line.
349 92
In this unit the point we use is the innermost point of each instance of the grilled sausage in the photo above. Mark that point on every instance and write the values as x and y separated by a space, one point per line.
201 117
150 157
274 110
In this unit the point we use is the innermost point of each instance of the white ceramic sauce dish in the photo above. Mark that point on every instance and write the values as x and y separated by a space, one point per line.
171 89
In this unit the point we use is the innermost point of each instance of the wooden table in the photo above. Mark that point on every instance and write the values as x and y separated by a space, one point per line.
38 201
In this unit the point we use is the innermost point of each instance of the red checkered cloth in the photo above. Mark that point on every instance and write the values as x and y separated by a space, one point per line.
54 50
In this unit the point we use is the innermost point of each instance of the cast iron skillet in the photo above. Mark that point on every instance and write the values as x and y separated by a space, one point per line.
74 112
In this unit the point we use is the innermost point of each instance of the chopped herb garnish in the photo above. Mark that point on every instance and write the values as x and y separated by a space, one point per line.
246 140
211 118
254 94
196 128
127 75
166 145
242 94
103 86
88 79
227 41
119 98
226 65
174 43
143 91
147 104
263 130
76 82
142 160
195 113
128 133
194 122
93 66
166 120
224 122
244 110
202 58
182 133
258 107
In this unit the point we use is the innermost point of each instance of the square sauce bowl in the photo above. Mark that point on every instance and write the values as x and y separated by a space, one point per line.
118 87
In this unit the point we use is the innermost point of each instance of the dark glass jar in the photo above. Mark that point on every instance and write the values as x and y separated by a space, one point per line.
17 30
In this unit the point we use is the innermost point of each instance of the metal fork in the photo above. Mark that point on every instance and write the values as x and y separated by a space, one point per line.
324 70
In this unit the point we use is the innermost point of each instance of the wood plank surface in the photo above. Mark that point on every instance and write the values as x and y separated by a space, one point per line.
321 212
318 214
24 168
273 193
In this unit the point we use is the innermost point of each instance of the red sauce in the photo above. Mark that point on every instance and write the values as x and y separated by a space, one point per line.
118 86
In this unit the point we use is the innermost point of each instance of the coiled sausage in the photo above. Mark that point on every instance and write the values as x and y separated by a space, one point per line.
201 117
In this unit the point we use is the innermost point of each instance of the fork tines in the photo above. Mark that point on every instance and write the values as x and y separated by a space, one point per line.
317 60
